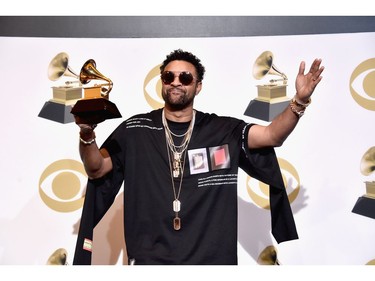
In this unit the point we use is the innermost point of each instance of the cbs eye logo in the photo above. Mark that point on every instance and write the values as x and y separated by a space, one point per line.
152 88
363 80
259 191
60 185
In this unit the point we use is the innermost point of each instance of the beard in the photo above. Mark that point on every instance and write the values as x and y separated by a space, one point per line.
177 98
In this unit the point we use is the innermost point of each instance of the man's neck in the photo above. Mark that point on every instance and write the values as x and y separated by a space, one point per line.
183 115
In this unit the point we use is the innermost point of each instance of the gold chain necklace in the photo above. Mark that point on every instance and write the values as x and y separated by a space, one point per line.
178 150
177 169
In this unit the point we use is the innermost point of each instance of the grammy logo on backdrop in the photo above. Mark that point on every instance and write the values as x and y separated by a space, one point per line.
272 99
365 204
65 96
58 257
268 256
95 107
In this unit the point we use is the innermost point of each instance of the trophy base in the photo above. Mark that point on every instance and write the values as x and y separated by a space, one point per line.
365 206
57 112
265 110
94 111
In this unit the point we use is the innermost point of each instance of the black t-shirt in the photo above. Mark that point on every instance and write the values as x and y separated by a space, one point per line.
208 233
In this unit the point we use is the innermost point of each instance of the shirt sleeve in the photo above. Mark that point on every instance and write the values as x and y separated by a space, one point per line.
262 165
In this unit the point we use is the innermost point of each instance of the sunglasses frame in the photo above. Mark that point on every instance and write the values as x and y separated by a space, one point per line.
182 76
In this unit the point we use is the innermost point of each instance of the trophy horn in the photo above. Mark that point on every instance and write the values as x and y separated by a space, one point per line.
264 65
89 72
59 67
58 257
368 162
268 256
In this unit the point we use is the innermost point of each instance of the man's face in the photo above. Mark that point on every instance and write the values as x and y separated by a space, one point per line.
176 93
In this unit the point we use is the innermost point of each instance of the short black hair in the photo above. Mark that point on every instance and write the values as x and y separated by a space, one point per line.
185 56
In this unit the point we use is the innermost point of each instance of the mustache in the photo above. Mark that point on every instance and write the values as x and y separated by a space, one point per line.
176 90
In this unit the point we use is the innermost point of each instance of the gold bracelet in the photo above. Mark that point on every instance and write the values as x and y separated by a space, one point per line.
299 103
87 142
298 113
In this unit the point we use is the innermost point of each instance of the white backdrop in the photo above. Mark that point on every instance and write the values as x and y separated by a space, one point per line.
325 149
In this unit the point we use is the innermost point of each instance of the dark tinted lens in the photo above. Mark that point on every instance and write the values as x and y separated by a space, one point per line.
186 78
167 77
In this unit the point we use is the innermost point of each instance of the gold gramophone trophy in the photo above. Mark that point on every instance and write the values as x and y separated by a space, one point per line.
65 96
268 256
365 204
95 106
58 257
271 99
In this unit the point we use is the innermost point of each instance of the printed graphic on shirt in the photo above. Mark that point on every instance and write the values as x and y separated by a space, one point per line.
198 161
219 157
141 123
218 180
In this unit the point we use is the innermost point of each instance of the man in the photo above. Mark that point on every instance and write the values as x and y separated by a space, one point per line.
180 166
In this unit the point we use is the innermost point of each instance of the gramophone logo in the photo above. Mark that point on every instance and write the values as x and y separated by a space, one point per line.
362 84
259 191
268 256
152 88
64 96
272 98
365 204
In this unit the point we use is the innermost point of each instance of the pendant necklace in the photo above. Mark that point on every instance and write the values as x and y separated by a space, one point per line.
177 164
176 204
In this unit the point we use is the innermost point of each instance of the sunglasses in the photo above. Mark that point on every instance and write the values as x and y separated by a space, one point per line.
185 77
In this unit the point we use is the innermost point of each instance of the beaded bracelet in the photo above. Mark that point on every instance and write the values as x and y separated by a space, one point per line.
87 142
83 133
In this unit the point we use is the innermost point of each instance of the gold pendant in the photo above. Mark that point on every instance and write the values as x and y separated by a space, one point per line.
177 223
177 156
176 173
176 168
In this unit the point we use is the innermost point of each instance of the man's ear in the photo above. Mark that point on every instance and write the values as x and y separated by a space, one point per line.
199 88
